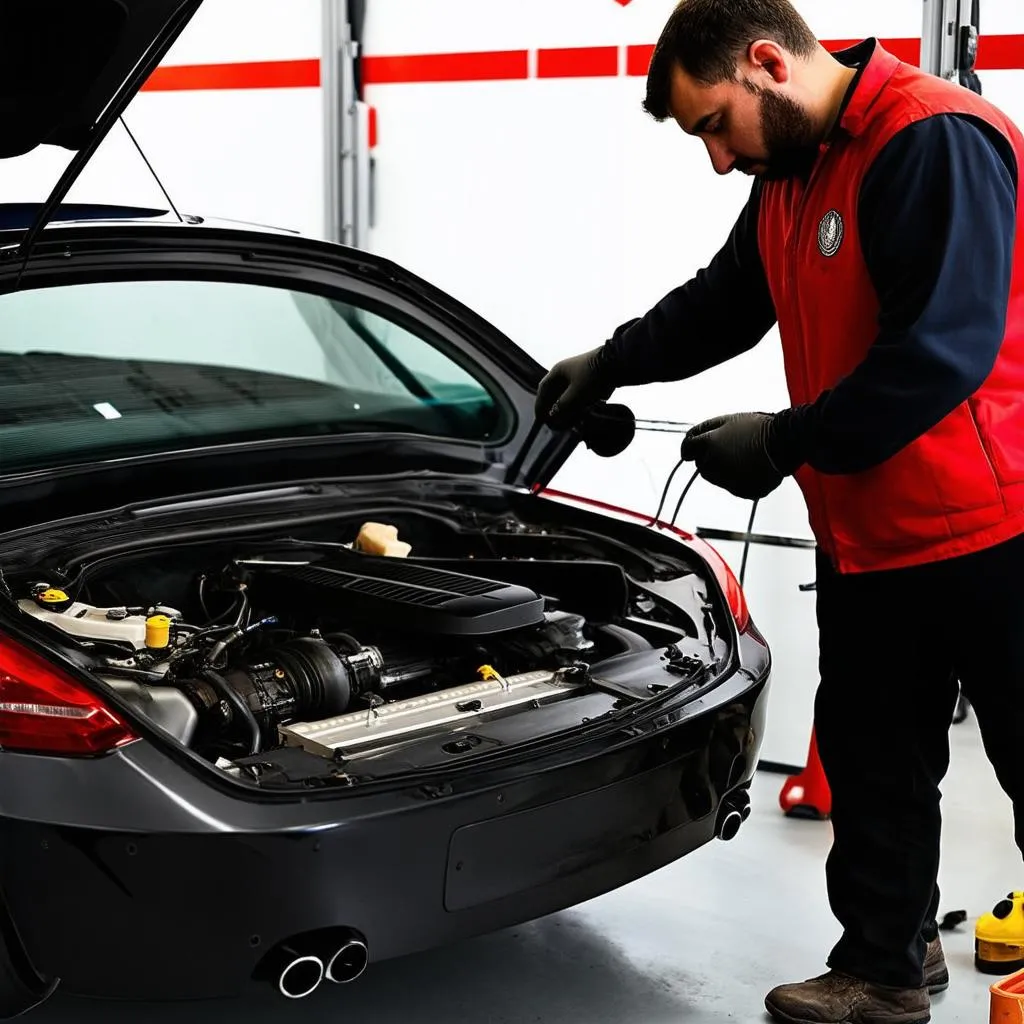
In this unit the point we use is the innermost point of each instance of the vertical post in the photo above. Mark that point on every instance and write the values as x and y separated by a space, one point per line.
347 170
363 174
931 35
335 17
949 36
349 134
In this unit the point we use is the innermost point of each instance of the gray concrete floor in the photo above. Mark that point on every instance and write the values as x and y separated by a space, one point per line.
699 942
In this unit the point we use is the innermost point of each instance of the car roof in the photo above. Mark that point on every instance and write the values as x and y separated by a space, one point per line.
18 216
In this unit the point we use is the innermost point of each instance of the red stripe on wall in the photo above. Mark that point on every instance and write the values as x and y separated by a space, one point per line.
638 59
278 74
1000 53
995 53
579 62
447 67
908 50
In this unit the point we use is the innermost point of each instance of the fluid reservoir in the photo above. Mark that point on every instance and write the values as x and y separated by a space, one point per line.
158 632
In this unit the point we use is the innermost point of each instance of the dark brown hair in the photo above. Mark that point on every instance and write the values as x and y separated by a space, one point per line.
706 38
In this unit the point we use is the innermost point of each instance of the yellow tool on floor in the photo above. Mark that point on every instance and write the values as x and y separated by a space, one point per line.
999 937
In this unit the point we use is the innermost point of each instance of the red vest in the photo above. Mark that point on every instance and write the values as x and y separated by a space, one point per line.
960 487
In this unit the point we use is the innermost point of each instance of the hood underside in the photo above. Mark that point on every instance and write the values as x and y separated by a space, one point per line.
66 61
71 67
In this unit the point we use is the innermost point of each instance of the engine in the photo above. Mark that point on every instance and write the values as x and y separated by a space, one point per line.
282 646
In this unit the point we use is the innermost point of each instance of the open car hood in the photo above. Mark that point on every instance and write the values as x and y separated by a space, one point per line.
71 67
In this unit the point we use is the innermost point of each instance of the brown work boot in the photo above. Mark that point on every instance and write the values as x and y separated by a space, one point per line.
835 998
936 974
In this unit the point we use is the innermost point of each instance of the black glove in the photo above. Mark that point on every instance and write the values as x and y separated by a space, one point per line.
572 387
734 452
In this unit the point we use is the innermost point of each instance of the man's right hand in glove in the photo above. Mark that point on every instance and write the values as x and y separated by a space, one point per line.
572 388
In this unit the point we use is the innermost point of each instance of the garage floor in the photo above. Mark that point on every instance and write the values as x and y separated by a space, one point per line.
698 943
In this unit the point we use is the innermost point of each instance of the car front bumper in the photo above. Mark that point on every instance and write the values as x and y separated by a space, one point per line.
176 889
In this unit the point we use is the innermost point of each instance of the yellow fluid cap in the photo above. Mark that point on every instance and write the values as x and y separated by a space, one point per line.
52 596
158 632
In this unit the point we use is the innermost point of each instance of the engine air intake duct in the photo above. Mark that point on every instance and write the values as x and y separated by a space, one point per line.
421 598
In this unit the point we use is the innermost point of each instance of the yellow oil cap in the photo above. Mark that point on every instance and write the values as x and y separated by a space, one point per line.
158 632
52 599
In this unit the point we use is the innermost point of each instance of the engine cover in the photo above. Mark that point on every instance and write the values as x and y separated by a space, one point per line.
415 597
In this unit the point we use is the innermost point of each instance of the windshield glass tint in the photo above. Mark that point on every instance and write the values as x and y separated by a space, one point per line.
118 369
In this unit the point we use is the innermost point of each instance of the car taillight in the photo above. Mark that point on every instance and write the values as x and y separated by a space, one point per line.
44 711
723 574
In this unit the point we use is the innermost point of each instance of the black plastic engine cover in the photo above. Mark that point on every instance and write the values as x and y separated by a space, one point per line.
416 597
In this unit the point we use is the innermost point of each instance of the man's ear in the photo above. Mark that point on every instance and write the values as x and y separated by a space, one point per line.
768 58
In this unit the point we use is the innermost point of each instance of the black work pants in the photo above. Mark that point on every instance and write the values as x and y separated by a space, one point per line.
892 647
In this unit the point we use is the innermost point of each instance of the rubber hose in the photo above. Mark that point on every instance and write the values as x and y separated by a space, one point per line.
344 639
221 685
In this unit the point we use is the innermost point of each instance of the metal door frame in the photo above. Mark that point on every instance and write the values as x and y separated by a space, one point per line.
949 37
347 167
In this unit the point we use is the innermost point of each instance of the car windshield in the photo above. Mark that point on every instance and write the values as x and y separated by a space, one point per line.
111 370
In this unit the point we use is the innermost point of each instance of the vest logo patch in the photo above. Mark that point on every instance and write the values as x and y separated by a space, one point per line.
830 233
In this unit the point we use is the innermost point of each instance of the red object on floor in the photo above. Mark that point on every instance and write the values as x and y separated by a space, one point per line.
808 795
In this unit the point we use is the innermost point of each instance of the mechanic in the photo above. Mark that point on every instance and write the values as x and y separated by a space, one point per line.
882 235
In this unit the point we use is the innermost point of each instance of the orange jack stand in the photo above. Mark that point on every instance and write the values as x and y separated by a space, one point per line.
1007 1002
807 795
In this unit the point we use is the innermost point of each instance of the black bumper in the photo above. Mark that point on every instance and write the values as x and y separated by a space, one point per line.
151 915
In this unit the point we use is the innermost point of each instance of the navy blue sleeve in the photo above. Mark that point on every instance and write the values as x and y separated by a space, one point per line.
937 218
725 309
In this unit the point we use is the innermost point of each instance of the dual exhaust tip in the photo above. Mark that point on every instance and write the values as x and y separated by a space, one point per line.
298 967
734 811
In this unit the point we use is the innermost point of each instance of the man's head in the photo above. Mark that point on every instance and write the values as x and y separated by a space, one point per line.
750 79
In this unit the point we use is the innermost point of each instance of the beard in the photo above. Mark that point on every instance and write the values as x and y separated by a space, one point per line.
789 138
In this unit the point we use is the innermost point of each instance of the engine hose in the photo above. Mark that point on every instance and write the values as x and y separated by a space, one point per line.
220 684
345 640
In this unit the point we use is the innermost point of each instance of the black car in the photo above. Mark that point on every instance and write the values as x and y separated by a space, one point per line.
302 665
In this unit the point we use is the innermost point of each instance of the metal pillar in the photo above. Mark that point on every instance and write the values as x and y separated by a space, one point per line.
949 39
346 133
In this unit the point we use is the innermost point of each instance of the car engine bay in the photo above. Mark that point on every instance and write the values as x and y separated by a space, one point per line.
350 654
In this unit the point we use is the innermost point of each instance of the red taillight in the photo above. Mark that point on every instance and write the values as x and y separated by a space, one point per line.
43 711
725 576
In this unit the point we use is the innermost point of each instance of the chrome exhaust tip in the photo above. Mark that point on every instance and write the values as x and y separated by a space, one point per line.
734 811
729 825
301 975
348 963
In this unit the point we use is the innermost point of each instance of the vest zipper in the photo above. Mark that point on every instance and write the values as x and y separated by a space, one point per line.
801 210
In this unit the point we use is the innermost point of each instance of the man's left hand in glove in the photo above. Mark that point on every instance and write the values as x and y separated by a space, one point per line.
742 453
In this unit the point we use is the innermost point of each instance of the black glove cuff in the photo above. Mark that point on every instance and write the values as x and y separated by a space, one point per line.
787 442
605 365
